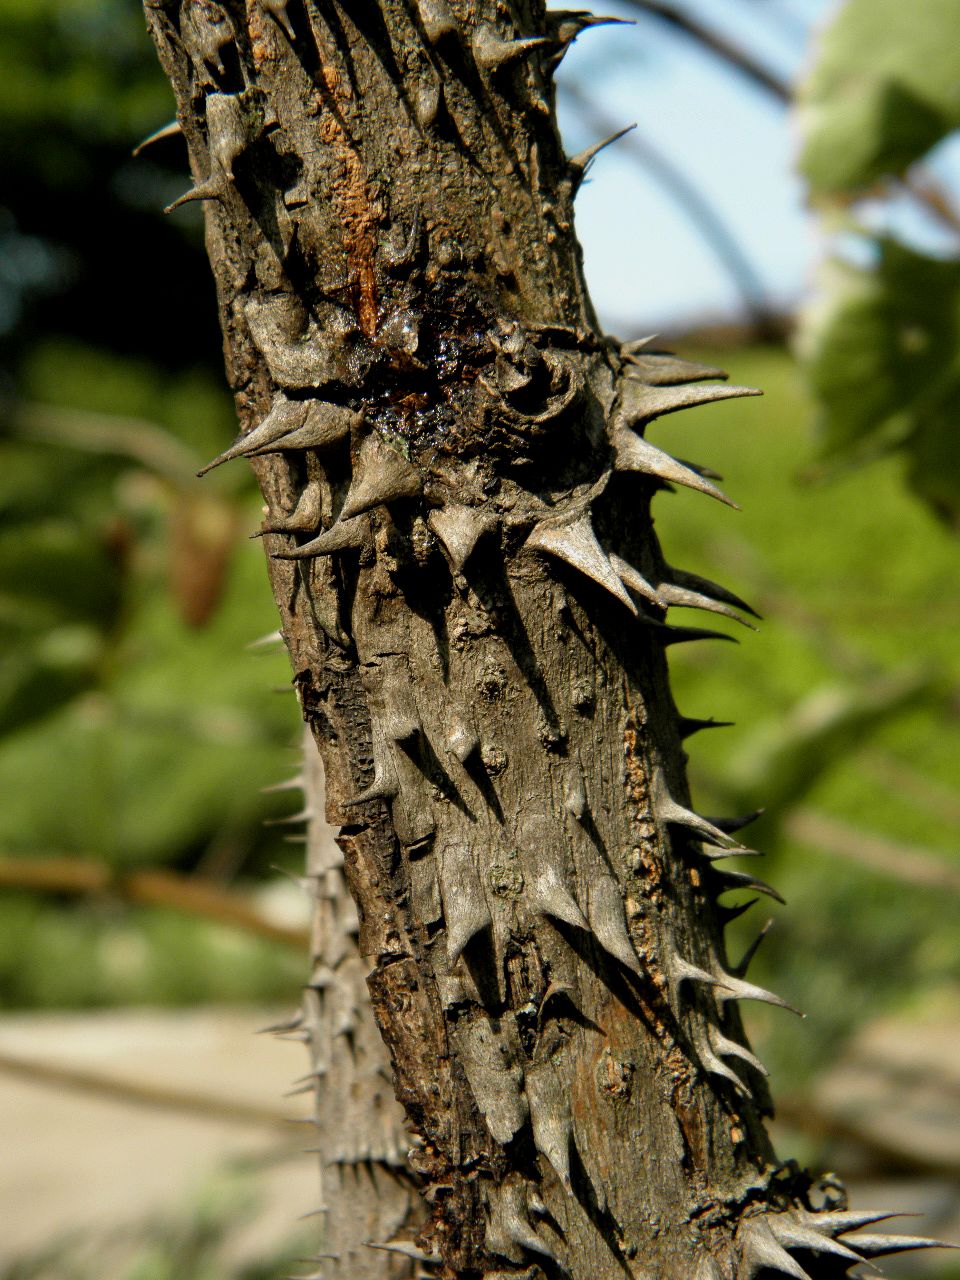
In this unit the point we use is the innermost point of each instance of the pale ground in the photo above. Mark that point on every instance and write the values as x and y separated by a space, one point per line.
77 1159
109 1118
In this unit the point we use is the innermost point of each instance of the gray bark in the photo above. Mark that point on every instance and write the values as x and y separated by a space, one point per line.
460 544
367 1196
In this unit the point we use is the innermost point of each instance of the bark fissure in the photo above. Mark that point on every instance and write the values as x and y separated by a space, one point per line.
457 487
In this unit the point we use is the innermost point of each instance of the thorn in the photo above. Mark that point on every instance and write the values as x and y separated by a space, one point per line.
733 988
459 529
382 474
668 593
211 189
280 1028
732 1049
324 425
491 52
694 582
265 642
837 1221
290 784
740 970
551 897
633 348
284 416
717 1067
608 922
578 165
728 914
761 1251
464 902
226 131
278 11
344 535
437 19
640 402
668 811
385 784
632 579
743 880
681 971
575 795
575 543
685 635
793 1234
633 453
304 518
688 726
490 1052
732 825
509 1224
462 741
565 25
406 1248
171 130
550 1117
663 369
875 1246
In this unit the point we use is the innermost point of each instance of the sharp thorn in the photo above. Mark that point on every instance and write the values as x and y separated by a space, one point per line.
459 529
688 725
171 130
345 535
633 453
576 544
578 165
662 369
740 970
284 416
211 189
634 580
382 475
641 402
465 907
491 52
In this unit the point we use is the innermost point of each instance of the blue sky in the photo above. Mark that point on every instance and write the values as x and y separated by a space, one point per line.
647 265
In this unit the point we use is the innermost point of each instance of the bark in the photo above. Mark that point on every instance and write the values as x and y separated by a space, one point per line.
459 538
366 1192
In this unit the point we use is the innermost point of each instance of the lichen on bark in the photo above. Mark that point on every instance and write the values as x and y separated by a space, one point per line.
458 483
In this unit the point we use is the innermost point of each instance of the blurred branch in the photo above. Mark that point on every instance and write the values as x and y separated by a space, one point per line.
207 1105
932 194
697 208
717 44
886 1157
911 864
928 795
924 189
88 877
146 442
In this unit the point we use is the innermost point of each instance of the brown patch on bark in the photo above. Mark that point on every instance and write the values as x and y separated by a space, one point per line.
355 202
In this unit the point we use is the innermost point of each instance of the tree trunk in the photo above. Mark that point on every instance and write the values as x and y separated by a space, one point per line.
460 544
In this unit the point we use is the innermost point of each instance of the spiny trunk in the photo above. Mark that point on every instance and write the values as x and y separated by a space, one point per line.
460 544
366 1192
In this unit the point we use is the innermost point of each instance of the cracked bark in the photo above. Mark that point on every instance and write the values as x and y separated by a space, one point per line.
460 544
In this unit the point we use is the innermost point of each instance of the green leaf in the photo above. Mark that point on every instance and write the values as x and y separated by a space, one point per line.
885 87
881 348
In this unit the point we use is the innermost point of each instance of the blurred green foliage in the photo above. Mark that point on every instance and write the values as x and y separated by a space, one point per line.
135 727
847 704
880 340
